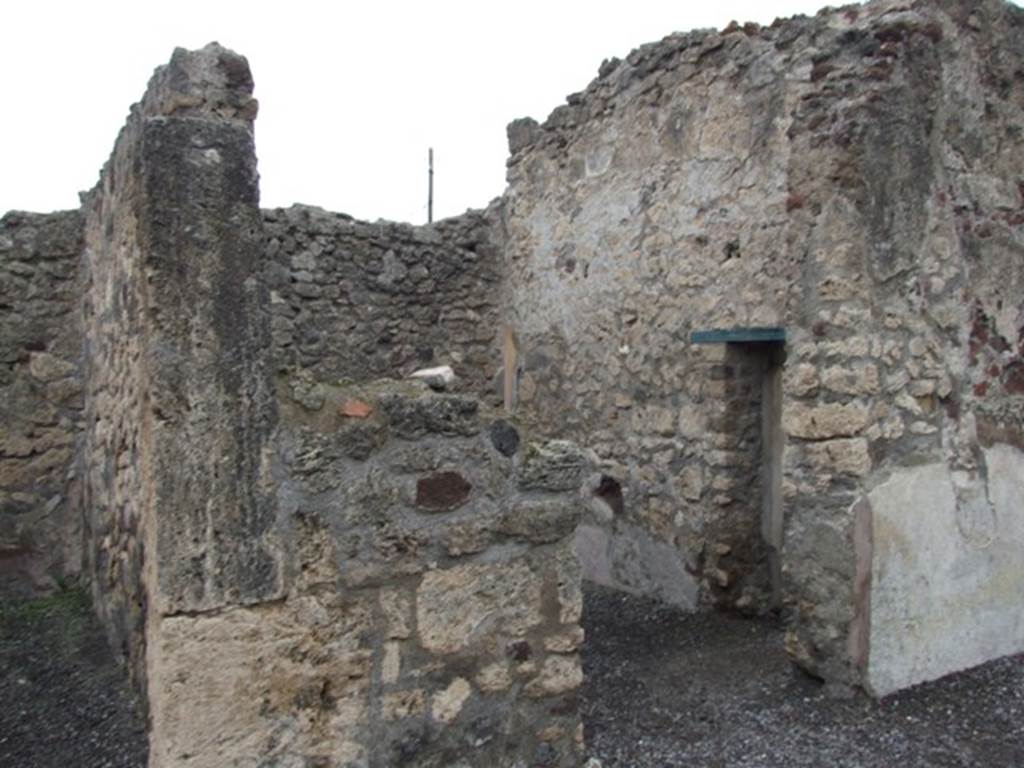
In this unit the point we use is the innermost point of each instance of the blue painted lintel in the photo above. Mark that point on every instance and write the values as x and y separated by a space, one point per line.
739 336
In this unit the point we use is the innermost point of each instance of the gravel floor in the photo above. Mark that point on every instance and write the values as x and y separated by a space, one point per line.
65 703
667 689
664 689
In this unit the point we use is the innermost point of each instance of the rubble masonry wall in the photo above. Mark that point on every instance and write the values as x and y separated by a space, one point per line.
855 178
40 399
432 604
360 301
300 570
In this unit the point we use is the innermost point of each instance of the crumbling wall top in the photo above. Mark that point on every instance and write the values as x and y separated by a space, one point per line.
210 82
642 74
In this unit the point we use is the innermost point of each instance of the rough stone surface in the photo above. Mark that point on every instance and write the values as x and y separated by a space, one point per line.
179 402
457 614
442 491
40 399
264 683
359 300
853 178
455 606
325 567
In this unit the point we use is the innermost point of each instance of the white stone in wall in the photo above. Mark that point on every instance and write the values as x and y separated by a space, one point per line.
436 378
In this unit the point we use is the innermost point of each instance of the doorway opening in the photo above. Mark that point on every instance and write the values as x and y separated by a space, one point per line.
743 564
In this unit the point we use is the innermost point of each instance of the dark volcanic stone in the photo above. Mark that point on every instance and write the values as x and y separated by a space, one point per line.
442 491
436 414
504 438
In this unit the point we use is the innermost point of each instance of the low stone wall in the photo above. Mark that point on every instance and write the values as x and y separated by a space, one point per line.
359 300
40 398
431 615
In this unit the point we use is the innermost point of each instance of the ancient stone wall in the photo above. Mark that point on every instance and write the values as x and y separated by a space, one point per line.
179 398
40 398
358 301
320 567
432 602
385 577
855 179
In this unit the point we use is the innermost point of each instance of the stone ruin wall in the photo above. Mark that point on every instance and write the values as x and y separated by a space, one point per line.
358 300
856 178
853 177
431 606
295 568
40 399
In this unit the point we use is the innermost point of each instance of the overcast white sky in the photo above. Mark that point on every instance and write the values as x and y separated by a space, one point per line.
351 93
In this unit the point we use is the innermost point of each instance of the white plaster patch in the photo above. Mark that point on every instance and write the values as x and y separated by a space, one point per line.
591 548
629 559
599 159
943 596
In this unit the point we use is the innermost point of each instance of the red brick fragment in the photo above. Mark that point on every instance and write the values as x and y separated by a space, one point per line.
355 409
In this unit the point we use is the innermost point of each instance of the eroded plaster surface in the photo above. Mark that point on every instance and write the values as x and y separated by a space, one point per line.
946 570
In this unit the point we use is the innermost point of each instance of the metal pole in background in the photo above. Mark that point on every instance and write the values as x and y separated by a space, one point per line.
430 185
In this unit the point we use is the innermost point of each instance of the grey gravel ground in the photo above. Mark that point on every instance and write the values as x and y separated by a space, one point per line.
64 702
665 688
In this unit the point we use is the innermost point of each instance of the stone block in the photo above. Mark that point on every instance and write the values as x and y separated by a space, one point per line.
541 522
855 380
691 482
820 422
459 607
493 678
442 491
558 674
429 414
555 466
447 704
229 682
504 438
46 367
800 380
848 456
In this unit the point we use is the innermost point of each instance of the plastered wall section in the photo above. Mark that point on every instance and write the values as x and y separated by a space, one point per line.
40 400
853 177
358 300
